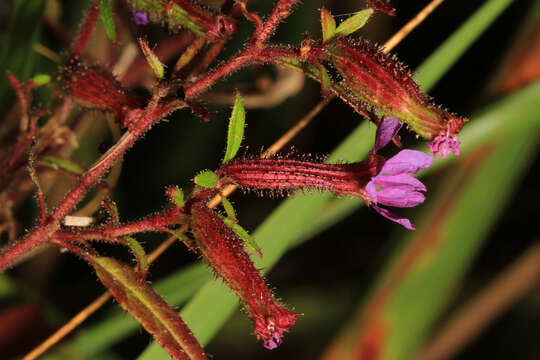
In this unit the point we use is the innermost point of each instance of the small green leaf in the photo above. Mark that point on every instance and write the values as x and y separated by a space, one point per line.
112 209
328 25
105 9
326 82
236 129
64 164
228 208
208 179
176 195
140 255
138 298
354 23
183 238
152 59
243 234
41 79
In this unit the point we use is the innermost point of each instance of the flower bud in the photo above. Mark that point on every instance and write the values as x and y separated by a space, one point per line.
224 251
382 82
95 87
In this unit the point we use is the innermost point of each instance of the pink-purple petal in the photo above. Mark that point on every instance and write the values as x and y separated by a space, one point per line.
406 162
400 181
387 214
400 197
371 189
387 129
443 145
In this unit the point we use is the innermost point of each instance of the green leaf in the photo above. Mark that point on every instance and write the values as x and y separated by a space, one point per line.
354 23
244 235
326 82
236 129
328 25
141 301
41 79
157 66
229 209
105 9
64 164
176 195
190 244
208 179
140 255
111 207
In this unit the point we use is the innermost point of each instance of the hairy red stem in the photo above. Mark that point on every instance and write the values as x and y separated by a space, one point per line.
155 222
150 116
86 30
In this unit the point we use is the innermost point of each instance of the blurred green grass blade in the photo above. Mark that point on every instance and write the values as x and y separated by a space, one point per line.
18 56
418 281
442 59
286 224
175 289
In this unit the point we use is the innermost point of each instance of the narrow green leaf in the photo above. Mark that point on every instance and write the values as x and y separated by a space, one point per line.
244 235
326 82
236 129
105 9
229 209
183 238
64 164
208 179
141 301
152 59
328 25
354 23
140 254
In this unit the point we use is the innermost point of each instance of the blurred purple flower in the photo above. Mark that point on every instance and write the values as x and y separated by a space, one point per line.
394 185
139 18
442 145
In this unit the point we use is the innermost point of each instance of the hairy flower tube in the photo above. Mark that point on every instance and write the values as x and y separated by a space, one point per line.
279 175
96 87
383 83
393 185
225 253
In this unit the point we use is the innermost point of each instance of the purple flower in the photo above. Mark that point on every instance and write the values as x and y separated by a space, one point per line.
394 185
139 18
442 145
